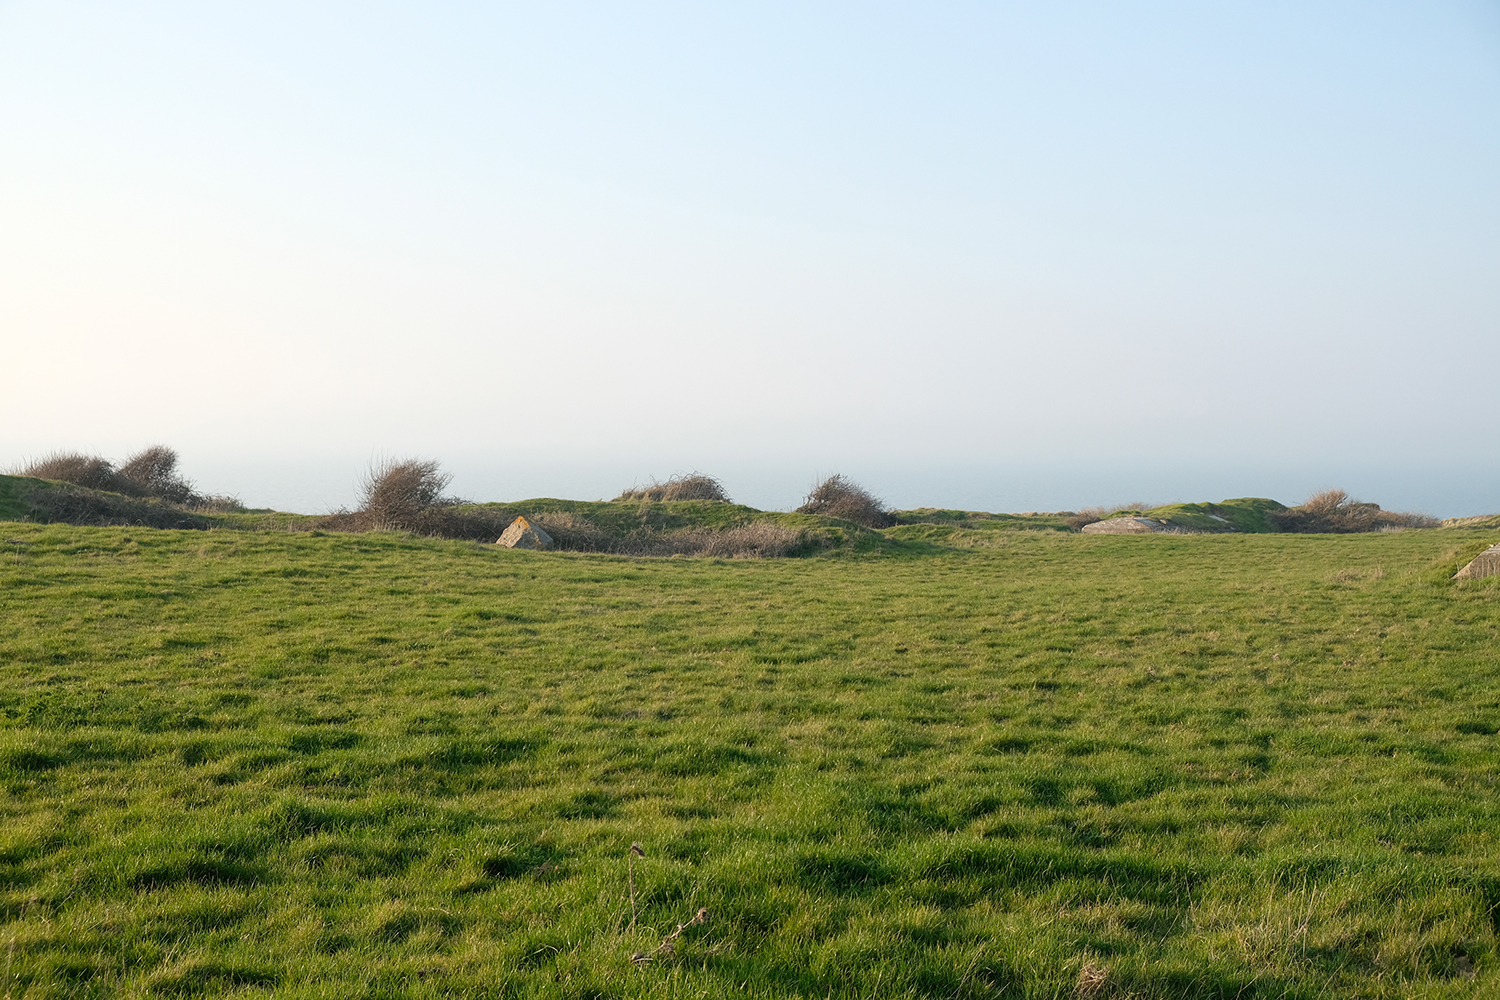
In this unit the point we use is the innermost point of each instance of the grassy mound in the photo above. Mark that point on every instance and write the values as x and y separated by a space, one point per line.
1245 514
25 498
684 527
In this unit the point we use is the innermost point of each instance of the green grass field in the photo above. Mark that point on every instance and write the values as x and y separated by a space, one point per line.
964 763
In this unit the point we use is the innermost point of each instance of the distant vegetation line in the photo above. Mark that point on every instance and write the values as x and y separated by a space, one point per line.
690 514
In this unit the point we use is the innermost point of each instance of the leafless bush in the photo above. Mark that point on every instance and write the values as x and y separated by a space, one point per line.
841 497
152 472
399 494
88 471
74 505
693 486
1334 512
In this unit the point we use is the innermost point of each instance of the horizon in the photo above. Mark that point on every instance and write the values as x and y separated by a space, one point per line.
323 485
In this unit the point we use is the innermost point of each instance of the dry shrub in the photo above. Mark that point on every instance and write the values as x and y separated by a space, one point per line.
693 486
217 503
472 524
88 471
407 495
152 472
1334 512
74 505
399 494
574 533
756 540
1401 520
841 497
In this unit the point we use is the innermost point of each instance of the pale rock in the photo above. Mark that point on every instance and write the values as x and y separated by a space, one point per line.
522 534
1487 563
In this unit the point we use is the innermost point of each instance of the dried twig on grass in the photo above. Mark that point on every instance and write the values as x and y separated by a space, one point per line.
669 943
1092 981
636 851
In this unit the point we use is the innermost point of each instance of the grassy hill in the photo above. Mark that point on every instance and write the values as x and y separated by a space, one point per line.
1247 514
314 764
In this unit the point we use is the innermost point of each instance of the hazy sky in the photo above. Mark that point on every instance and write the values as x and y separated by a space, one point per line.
737 237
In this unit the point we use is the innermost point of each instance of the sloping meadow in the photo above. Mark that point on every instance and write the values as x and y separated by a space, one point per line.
334 765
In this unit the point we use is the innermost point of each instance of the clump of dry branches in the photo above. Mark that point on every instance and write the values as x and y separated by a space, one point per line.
693 486
394 493
89 471
408 495
841 497
1335 512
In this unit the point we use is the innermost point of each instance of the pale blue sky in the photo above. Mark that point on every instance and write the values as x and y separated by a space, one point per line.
763 240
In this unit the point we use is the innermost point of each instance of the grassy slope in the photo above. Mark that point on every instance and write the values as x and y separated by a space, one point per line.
12 505
372 765
1482 521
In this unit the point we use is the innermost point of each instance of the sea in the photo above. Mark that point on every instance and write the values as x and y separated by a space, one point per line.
1441 489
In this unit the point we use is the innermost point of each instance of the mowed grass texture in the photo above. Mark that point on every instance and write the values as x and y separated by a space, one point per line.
1053 765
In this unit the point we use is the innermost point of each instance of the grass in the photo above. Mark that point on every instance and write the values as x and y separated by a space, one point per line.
313 764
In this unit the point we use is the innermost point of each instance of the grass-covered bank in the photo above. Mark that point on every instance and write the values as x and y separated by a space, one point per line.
376 765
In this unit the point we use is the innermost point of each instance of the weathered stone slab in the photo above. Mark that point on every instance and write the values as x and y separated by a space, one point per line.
1126 526
1487 563
522 534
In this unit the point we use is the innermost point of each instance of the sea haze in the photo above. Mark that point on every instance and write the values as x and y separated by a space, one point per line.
1440 489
